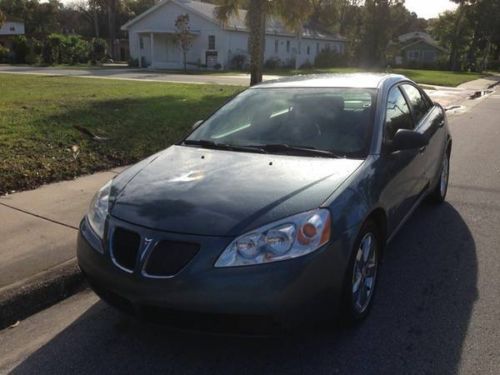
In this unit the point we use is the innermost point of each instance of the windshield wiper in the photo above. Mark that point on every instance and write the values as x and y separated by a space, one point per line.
281 147
222 146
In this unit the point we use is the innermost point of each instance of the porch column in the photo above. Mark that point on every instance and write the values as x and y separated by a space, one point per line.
139 49
152 35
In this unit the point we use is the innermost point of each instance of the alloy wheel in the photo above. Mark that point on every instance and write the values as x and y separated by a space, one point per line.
364 273
445 172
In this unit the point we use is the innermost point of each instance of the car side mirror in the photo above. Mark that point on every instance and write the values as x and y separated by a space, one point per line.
408 140
196 124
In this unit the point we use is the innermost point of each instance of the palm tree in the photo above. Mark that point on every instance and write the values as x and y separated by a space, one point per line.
292 12
2 18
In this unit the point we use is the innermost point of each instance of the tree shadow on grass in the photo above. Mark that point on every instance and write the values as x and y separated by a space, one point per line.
135 127
418 324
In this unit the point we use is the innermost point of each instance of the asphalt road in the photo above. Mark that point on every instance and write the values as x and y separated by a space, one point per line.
437 310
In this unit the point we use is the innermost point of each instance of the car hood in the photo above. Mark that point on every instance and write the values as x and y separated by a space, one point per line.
223 193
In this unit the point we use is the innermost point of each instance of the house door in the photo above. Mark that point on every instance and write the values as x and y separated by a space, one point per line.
145 50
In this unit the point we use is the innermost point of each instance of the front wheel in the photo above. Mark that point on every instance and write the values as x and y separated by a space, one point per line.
439 193
360 282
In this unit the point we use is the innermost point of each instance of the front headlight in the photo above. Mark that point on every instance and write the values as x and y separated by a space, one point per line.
289 238
98 210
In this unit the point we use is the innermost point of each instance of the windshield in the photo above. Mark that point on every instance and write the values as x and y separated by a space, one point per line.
337 120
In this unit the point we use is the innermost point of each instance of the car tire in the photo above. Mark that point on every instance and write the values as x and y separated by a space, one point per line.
438 195
361 275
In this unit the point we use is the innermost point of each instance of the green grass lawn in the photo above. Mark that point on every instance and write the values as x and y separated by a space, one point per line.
38 115
438 77
429 77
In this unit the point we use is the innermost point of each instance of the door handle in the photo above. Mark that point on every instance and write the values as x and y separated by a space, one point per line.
422 149
441 123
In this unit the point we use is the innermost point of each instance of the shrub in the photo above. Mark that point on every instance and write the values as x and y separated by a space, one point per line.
53 49
21 48
290 63
75 50
494 65
98 49
273 63
133 63
33 58
4 54
328 58
238 62
306 65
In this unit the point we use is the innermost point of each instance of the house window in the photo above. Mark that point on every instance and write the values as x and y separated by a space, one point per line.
211 42
308 50
13 28
317 48
141 42
276 46
430 56
413 55
288 46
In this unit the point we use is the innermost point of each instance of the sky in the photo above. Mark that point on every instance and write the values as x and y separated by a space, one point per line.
429 8
423 8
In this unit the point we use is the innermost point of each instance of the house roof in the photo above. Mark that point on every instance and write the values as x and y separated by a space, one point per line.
235 23
410 39
13 19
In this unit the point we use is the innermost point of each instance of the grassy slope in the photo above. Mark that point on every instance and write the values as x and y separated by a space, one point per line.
38 115
430 77
439 78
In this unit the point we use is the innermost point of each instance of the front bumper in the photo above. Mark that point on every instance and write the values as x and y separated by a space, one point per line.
293 289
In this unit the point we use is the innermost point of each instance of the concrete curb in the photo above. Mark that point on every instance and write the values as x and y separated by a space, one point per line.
27 297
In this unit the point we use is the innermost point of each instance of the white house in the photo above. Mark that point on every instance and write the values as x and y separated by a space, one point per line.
152 38
11 27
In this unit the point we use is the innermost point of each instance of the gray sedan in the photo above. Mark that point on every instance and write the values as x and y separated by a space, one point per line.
277 207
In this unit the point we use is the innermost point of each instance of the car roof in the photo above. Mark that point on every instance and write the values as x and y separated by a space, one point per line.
355 80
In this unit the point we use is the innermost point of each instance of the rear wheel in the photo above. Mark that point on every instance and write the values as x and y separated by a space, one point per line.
361 279
439 193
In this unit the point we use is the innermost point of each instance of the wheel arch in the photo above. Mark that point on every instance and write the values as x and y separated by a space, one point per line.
449 146
379 217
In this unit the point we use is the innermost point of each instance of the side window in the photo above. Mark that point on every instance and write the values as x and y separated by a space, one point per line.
211 42
419 104
398 114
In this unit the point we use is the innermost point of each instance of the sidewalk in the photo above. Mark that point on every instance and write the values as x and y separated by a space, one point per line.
456 96
38 231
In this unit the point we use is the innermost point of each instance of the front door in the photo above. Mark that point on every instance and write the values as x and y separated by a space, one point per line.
430 121
404 169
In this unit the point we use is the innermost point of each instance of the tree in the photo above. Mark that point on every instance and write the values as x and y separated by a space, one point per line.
184 36
458 32
40 19
376 31
293 12
2 18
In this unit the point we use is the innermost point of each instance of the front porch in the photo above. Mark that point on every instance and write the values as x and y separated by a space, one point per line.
161 50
